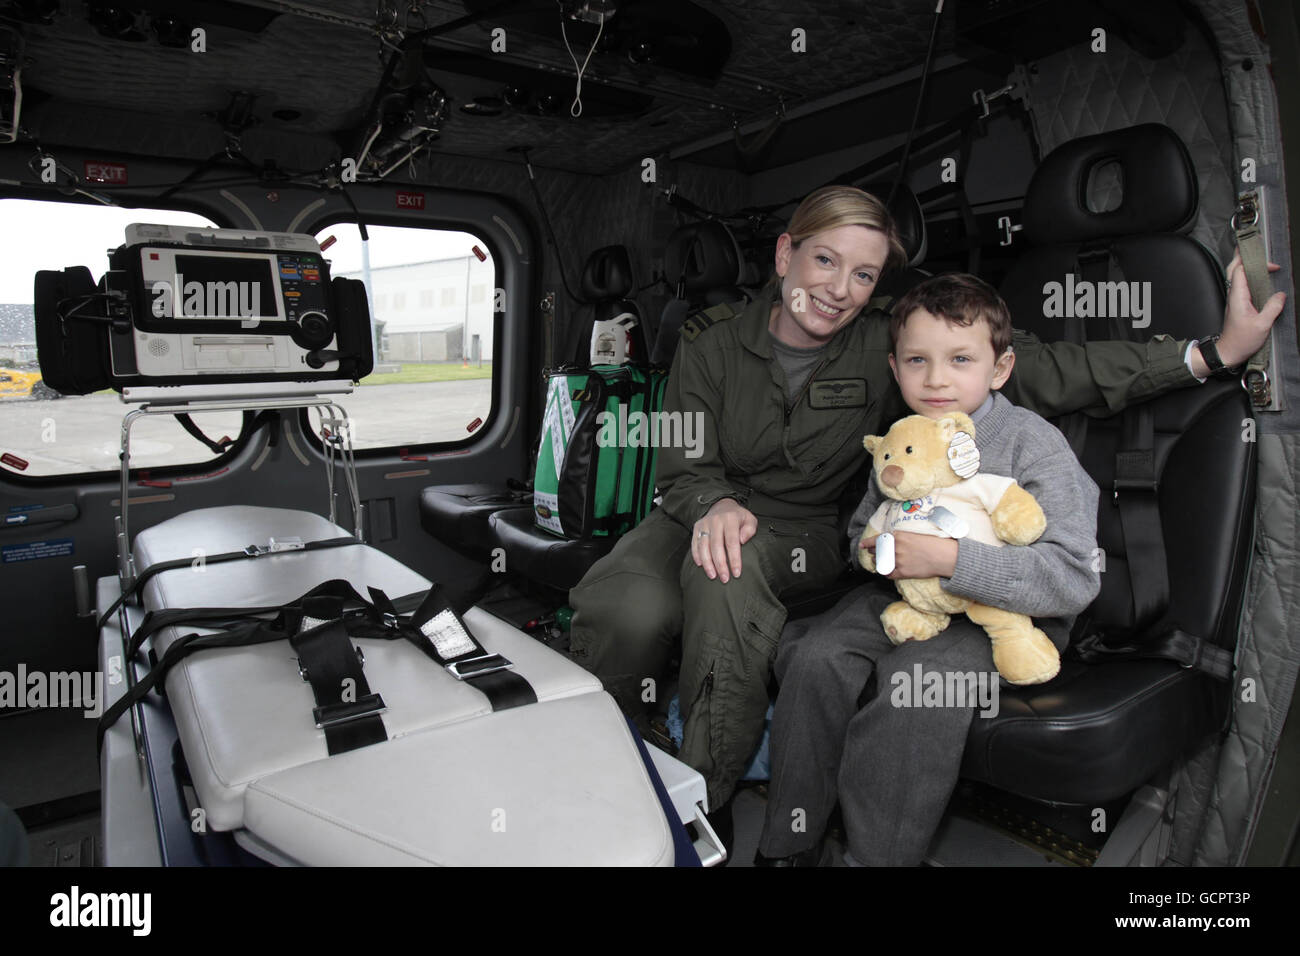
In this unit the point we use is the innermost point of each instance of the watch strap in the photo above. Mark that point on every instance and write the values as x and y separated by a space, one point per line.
1210 353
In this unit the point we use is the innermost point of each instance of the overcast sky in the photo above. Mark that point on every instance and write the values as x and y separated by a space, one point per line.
49 235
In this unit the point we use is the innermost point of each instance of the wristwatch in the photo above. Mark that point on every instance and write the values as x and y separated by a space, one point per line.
1210 353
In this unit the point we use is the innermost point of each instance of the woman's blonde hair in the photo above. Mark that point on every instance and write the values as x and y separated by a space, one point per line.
833 206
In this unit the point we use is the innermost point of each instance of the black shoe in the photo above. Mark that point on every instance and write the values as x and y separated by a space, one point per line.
809 857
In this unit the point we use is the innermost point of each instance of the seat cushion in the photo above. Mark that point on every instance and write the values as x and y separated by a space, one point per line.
542 557
457 515
1094 733
480 793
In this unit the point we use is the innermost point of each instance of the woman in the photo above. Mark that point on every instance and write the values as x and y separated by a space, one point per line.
784 392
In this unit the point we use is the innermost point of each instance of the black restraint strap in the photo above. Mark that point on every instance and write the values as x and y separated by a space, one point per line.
346 709
1192 652
437 629
216 447
252 551
347 712
256 631
228 617
1135 493
1092 265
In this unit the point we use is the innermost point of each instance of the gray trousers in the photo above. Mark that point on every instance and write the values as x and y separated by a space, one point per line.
892 768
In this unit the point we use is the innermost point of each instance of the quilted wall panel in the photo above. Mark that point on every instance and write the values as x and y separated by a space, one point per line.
1078 93
588 212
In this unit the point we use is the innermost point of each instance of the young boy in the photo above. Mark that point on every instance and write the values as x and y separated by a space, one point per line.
892 765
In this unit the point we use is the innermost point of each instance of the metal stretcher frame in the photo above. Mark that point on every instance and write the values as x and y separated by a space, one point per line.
202 399
337 443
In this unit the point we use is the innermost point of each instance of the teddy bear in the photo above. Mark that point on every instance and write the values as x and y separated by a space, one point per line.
928 471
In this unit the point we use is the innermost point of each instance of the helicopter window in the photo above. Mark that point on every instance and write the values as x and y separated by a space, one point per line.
433 339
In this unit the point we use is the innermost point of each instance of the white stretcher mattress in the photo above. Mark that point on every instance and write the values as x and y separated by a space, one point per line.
559 781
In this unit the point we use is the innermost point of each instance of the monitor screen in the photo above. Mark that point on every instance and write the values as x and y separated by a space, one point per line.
225 287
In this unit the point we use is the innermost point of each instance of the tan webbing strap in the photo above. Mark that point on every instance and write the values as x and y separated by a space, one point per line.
1254 262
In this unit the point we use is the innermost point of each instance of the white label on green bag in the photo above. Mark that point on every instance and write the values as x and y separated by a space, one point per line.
559 420
546 509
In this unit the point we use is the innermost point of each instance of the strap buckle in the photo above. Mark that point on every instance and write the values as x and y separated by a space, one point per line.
1134 484
343 712
467 668
257 550
1255 382
302 668
1247 205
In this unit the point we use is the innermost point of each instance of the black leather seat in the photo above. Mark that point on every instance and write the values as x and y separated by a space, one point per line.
704 266
540 556
607 285
457 515
1099 731
909 220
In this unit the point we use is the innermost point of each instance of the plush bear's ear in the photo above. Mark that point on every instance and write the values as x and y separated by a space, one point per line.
955 422
871 443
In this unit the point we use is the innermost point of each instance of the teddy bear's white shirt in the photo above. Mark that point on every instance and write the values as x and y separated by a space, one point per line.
971 500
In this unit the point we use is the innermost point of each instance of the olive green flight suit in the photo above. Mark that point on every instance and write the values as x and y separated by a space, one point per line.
788 463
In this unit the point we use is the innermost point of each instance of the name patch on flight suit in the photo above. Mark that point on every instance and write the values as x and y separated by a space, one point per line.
838 393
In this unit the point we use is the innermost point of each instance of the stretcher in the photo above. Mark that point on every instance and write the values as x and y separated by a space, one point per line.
234 764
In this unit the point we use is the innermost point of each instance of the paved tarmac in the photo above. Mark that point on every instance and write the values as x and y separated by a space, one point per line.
82 433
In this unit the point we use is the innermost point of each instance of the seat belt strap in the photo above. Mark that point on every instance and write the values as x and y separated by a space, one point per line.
443 636
1091 265
252 551
254 633
1193 653
346 709
1135 493
1254 262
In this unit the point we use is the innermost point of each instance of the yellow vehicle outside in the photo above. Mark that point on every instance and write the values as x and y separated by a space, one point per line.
19 383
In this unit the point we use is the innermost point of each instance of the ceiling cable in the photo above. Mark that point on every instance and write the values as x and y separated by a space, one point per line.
575 110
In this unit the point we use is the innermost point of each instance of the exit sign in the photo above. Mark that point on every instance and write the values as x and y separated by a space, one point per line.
409 200
113 173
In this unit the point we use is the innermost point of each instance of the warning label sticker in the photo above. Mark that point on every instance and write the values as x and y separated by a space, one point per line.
449 638
35 550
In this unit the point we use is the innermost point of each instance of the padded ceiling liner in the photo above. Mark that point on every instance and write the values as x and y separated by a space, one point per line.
326 64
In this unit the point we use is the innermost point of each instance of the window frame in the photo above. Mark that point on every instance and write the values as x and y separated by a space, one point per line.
346 218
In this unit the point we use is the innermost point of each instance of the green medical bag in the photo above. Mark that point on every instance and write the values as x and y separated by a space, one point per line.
596 463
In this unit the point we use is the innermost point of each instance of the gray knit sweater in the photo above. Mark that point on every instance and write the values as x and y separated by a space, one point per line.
1054 576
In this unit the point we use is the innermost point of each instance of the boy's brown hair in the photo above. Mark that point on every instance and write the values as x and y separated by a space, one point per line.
960 299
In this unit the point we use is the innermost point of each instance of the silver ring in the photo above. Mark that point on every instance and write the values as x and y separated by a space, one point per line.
703 534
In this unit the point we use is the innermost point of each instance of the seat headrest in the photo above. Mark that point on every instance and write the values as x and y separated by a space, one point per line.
607 275
1071 197
703 255
908 217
